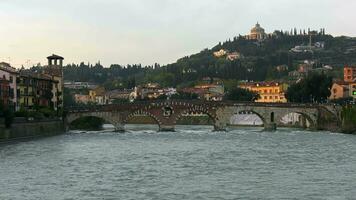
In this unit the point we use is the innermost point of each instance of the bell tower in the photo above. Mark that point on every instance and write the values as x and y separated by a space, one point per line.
55 70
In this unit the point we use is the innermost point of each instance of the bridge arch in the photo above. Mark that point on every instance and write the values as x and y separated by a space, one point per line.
142 113
247 117
192 109
106 116
292 117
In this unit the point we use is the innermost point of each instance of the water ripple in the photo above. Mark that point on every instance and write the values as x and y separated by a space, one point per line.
192 163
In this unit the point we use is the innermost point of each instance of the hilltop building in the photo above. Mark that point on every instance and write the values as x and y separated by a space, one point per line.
257 33
220 53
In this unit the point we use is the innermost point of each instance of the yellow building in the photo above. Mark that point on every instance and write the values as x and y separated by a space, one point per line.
220 53
98 96
257 33
270 92
35 89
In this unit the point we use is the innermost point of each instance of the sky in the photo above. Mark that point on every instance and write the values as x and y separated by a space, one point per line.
150 31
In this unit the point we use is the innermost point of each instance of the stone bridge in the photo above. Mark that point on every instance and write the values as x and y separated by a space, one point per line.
167 113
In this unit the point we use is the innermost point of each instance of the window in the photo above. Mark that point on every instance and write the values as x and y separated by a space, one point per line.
270 97
11 79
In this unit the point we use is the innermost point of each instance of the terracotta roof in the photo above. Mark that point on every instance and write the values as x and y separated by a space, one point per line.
261 84
35 75
7 67
342 82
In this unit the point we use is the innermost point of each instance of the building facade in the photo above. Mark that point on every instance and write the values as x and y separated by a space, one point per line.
350 73
36 90
5 92
257 33
54 69
270 92
98 96
207 91
339 90
81 98
10 74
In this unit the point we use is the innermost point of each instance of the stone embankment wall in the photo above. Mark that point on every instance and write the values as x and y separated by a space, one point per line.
21 129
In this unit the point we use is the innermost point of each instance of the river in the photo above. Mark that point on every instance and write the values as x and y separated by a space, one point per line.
192 163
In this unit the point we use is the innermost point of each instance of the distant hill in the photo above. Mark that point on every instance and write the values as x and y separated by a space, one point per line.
257 60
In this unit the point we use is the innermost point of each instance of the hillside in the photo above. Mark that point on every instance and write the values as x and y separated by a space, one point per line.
257 61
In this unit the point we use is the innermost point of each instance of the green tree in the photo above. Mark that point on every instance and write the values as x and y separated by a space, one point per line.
7 114
185 96
313 89
239 94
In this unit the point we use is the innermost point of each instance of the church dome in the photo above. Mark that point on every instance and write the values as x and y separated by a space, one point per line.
257 29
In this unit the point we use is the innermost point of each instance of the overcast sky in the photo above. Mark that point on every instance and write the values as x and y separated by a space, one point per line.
149 31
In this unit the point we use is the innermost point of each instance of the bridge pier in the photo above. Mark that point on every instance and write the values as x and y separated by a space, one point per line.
119 128
270 127
166 128
220 129
220 126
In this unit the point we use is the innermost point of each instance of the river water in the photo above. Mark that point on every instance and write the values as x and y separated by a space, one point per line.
192 163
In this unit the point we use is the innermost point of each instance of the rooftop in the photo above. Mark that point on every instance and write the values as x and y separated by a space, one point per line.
54 56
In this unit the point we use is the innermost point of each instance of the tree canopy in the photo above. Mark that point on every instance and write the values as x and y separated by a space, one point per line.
239 94
313 89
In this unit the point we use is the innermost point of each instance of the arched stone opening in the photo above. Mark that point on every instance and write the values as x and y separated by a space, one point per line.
296 120
89 123
141 120
246 118
195 119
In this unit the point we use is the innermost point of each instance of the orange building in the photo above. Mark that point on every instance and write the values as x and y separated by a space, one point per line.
270 92
349 73
339 90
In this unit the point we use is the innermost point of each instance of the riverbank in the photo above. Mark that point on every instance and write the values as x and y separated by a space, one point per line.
24 129
349 120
